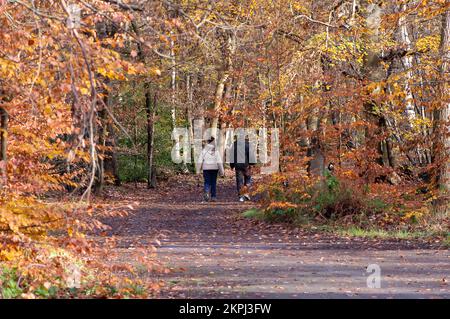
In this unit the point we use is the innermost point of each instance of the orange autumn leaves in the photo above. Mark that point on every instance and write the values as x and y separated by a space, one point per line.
45 89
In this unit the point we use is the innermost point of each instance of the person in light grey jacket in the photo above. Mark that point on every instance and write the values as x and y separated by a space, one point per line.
210 162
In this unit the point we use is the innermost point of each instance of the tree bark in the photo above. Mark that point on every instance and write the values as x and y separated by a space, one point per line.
107 159
407 61
150 109
111 165
173 81
3 144
229 48
100 181
189 108
442 115
374 72
218 101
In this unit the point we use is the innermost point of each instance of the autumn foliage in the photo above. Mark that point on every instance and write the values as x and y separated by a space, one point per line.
52 82
358 89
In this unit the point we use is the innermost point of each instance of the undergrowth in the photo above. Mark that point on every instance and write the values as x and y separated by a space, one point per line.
353 209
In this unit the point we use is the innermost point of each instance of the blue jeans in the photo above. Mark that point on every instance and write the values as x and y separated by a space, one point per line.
210 178
243 178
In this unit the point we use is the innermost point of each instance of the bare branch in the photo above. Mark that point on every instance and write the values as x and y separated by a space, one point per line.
124 6
303 16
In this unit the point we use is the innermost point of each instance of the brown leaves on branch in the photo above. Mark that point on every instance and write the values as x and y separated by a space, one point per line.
50 78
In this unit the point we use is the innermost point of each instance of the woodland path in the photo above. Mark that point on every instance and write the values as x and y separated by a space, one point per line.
213 253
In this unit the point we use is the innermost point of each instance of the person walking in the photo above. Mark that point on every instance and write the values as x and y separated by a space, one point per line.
240 162
210 162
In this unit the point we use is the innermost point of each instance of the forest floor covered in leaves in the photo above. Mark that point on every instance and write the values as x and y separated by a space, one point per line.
207 250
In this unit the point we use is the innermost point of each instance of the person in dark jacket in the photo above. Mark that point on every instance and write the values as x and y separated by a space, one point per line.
242 163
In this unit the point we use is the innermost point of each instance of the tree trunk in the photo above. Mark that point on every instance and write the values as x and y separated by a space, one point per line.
173 81
107 160
407 61
374 72
3 144
189 106
111 166
442 115
218 102
100 180
150 109
229 49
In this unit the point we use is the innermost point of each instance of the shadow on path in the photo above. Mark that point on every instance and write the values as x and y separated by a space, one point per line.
214 254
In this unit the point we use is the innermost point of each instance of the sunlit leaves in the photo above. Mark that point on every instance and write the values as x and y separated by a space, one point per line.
48 78
428 43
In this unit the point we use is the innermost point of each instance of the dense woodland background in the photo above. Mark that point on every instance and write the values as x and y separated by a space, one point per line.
361 84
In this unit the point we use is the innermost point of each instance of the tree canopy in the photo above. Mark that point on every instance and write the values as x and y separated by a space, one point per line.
90 91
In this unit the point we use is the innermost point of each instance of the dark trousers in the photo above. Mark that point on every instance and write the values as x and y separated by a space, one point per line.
210 182
243 178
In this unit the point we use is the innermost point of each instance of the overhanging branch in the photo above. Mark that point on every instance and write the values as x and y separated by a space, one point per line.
125 6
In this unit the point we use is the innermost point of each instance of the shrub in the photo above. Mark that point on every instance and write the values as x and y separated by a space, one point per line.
132 168
332 199
287 214
9 287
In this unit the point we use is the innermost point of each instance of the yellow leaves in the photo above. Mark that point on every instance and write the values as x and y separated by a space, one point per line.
25 148
415 214
428 43
106 73
110 73
24 215
299 7
430 9
281 205
338 48
10 254
48 110
422 122
7 68
155 71
85 90
375 88
117 70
